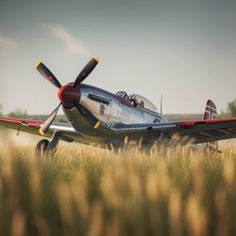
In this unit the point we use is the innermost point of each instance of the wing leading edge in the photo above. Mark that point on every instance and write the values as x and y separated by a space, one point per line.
196 131
208 130
33 126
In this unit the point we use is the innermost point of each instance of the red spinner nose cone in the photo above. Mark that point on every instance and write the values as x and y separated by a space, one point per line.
68 95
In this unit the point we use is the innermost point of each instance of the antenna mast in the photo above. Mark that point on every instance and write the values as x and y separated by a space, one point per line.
161 106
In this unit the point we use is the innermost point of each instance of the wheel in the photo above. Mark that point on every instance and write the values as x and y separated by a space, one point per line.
50 152
41 149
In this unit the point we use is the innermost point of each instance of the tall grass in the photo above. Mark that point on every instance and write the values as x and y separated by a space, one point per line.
89 191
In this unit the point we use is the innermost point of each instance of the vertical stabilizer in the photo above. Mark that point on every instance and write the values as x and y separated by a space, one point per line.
210 111
211 114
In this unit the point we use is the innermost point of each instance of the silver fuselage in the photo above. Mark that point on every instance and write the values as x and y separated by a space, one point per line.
109 109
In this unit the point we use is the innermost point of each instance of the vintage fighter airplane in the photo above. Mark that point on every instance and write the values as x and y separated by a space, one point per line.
96 116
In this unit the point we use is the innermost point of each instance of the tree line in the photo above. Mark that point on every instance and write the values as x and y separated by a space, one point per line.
17 113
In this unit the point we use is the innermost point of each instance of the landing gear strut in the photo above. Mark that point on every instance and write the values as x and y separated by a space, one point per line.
46 148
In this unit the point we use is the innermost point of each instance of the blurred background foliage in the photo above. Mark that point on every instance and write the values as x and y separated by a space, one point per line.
230 110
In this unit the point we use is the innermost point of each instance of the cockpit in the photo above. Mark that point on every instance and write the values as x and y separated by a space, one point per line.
138 101
123 94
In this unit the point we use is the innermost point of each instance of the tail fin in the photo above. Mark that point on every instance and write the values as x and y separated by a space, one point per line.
210 111
211 114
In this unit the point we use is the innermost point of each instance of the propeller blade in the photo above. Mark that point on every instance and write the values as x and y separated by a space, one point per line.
46 125
47 74
89 116
86 71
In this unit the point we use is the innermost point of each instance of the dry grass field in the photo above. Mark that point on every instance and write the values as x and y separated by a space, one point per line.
90 191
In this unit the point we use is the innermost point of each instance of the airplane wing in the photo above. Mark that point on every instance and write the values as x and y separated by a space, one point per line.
32 126
196 131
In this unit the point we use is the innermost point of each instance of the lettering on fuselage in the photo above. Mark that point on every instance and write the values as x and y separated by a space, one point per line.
98 99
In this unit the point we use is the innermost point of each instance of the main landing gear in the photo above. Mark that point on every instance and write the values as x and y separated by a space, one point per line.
47 149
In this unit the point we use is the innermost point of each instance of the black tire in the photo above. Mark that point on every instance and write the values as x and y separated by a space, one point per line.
50 153
41 149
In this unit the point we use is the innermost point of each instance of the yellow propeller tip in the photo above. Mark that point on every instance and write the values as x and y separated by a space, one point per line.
96 125
96 58
37 63
41 132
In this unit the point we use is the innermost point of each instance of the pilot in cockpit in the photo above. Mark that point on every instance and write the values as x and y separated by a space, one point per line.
141 104
133 102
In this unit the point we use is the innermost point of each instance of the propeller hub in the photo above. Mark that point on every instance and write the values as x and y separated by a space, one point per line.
68 95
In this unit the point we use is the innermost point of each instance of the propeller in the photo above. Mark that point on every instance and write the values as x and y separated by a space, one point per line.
47 74
47 123
69 93
89 116
86 71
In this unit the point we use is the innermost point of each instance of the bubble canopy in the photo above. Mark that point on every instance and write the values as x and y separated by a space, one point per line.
138 101
142 101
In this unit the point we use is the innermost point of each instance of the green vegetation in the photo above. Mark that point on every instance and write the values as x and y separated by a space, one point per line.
230 111
89 191
232 108
18 113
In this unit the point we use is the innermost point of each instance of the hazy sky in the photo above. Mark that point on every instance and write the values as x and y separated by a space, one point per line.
182 50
